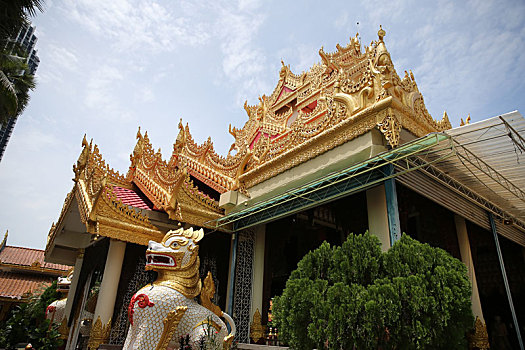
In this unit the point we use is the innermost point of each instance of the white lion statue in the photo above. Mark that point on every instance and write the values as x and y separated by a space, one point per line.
163 312
55 312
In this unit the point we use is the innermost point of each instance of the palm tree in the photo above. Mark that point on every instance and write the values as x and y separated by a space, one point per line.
15 84
14 14
15 78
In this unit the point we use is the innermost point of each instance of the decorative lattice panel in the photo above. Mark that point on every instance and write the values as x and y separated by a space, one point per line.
242 296
138 280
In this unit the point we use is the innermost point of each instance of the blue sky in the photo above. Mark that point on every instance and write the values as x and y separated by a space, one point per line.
108 67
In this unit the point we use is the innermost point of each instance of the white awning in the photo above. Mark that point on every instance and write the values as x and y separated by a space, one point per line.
491 161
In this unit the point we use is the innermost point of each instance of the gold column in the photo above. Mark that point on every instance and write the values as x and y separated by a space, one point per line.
107 294
378 215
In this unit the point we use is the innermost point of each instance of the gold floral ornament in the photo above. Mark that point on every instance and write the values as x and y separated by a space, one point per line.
63 329
99 334
391 128
479 338
207 293
82 159
137 151
171 322
257 330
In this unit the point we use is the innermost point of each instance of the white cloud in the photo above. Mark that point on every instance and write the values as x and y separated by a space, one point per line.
300 58
62 57
146 95
55 62
244 62
139 26
100 91
341 21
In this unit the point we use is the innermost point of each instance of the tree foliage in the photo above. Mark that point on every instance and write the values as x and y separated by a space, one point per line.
15 83
27 323
15 78
14 14
356 297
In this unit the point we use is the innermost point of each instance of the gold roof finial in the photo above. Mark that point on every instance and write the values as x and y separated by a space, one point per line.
381 33
4 241
466 122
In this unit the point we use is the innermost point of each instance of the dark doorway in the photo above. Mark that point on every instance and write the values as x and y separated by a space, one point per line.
289 239
493 297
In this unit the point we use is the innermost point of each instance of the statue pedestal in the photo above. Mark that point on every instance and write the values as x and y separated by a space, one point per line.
109 347
260 347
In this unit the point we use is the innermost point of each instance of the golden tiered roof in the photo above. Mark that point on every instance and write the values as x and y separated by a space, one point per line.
169 185
100 210
349 93
346 95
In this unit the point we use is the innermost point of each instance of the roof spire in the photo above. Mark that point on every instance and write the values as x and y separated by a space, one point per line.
4 241
381 33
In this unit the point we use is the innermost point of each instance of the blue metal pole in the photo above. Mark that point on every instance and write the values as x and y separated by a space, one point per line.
391 206
505 279
232 274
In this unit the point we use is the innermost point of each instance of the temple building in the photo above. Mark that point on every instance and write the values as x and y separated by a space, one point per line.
23 272
346 146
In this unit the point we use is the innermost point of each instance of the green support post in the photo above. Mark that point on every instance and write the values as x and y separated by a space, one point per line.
391 206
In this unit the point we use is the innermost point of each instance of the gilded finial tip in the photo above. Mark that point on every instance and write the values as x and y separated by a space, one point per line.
381 33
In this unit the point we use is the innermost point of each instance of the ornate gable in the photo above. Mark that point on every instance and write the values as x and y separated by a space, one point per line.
169 185
99 209
349 93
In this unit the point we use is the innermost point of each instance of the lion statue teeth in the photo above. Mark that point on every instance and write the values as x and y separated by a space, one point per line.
163 312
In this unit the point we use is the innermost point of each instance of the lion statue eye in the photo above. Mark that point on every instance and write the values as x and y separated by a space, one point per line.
174 244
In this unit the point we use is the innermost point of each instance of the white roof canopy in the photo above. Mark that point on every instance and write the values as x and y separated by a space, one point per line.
490 160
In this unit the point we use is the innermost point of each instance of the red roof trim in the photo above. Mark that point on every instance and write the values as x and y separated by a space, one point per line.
132 198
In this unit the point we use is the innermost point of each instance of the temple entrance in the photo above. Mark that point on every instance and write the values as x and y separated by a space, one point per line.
431 223
290 238
427 221
214 254
494 301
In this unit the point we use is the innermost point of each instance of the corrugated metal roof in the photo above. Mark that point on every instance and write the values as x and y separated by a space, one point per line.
491 161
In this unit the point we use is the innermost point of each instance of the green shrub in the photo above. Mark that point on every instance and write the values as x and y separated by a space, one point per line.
27 323
411 297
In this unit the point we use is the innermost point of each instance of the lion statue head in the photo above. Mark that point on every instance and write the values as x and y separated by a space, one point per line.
178 250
